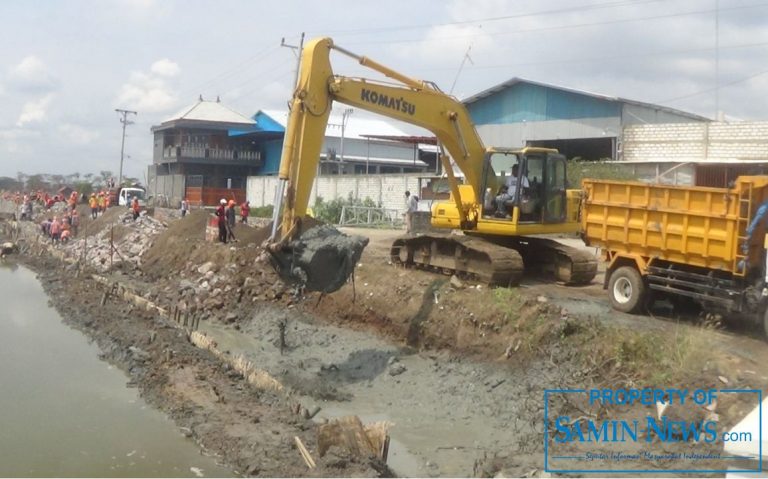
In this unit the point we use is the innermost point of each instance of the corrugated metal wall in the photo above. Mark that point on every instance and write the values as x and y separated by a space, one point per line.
524 102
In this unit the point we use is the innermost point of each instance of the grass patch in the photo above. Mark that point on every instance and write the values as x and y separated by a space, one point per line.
605 353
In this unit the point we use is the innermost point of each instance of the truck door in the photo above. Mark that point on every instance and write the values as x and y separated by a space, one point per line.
554 190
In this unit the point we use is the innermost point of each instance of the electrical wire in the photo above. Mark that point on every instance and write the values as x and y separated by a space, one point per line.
580 8
562 27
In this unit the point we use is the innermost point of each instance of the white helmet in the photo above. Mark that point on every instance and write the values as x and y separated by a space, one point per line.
223 201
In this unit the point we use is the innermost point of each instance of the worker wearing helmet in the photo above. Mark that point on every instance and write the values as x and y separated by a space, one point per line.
230 213
93 203
222 216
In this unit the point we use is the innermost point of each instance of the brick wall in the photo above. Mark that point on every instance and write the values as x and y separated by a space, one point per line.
696 141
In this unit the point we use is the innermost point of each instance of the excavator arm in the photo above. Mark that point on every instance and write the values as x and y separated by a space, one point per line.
412 101
321 258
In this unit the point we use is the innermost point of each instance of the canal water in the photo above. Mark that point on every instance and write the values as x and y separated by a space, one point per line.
65 413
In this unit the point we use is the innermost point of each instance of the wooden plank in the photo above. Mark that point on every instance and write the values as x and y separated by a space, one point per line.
304 453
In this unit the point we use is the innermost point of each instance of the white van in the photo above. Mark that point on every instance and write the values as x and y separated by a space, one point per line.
127 195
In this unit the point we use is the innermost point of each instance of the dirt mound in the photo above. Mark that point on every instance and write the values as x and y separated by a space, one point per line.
172 249
249 235
89 227
191 226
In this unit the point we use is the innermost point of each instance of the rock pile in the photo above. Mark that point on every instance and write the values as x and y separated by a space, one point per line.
119 245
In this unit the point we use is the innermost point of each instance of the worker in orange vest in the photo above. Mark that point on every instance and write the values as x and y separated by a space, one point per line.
245 210
102 202
136 208
94 204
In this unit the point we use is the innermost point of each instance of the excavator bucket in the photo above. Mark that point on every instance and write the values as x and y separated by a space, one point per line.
320 259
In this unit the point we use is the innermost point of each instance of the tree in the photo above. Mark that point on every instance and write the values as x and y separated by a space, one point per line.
10 184
37 182
83 187
105 175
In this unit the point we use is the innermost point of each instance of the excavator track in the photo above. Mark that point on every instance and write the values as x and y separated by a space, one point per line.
546 257
462 255
498 261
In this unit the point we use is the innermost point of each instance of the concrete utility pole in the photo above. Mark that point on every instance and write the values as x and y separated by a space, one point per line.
297 51
281 183
124 121
344 118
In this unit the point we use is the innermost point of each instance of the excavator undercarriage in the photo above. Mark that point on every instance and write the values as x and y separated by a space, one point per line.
497 261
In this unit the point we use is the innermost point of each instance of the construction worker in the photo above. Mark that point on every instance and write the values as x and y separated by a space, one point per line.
102 202
221 214
245 210
94 204
231 218
136 208
73 200
55 229
75 222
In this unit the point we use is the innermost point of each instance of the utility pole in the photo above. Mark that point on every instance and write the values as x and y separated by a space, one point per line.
281 183
124 120
717 60
297 52
344 118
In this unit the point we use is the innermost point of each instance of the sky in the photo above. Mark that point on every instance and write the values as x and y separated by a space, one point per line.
65 66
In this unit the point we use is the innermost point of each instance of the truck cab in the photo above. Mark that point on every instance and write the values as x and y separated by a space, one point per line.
126 195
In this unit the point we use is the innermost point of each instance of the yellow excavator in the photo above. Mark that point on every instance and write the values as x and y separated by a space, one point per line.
506 196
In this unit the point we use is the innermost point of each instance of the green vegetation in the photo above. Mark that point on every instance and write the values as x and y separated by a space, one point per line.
600 170
330 211
262 211
605 353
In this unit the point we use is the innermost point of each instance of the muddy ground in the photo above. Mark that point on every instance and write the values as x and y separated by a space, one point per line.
460 369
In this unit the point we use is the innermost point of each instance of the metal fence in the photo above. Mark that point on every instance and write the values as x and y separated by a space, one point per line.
370 216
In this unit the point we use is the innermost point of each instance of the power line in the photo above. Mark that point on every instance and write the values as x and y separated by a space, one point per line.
709 90
608 58
580 8
564 27
235 69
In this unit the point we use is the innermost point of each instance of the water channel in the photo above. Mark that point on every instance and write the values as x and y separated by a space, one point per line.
65 413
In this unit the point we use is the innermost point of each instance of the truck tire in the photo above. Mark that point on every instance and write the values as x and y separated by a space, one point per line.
627 289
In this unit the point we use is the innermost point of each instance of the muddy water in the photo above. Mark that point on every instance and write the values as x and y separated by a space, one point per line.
447 413
65 413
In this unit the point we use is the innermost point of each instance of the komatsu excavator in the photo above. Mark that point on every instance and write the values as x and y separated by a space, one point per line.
497 211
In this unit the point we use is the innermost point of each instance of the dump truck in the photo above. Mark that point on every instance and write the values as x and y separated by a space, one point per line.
690 243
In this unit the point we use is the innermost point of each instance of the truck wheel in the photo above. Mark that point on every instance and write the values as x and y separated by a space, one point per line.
626 289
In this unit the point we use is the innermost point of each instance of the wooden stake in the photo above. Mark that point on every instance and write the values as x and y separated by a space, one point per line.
304 453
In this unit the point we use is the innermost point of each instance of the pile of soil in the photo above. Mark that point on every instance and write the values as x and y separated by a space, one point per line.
89 227
171 250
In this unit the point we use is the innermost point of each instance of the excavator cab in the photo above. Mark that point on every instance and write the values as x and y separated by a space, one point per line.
527 185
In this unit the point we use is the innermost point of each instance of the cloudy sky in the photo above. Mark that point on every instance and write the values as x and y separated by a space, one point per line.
66 65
